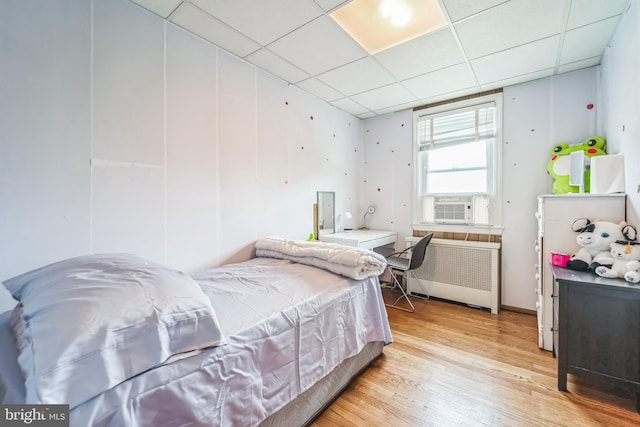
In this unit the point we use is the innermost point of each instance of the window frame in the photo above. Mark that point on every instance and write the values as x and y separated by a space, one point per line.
494 165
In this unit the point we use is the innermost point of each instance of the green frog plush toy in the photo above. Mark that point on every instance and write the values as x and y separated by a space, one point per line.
559 164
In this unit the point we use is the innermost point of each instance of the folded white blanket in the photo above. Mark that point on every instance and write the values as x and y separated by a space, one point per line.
355 263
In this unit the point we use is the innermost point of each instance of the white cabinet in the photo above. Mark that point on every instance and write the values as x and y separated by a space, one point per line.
556 214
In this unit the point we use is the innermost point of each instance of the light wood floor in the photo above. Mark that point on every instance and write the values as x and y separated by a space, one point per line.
451 365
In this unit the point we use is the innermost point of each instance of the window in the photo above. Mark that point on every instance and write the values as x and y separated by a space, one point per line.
457 152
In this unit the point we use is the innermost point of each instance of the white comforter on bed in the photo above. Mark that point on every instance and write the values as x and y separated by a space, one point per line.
355 263
287 325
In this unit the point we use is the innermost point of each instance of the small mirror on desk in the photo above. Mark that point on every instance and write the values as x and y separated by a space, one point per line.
326 215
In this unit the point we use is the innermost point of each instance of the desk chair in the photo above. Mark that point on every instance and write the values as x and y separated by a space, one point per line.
396 263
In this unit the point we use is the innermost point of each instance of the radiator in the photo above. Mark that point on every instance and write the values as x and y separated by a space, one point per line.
461 271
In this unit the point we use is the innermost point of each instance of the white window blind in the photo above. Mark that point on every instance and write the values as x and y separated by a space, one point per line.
454 148
464 125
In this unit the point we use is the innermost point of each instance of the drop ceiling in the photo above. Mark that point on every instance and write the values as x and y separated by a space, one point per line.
487 44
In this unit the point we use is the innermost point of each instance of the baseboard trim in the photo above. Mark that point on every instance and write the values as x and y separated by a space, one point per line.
518 310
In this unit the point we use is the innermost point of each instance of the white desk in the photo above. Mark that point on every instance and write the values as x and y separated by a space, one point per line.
367 239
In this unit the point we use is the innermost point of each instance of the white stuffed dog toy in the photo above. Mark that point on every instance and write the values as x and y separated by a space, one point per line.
624 262
596 238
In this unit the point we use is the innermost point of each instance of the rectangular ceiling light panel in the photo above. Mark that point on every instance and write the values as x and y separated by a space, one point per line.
380 24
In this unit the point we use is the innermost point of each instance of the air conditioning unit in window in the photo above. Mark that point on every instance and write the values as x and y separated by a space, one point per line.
446 210
472 209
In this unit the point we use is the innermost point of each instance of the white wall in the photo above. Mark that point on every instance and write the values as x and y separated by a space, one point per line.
389 174
45 119
621 94
537 115
122 132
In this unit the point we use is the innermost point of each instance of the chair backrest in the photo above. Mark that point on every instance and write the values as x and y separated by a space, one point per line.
418 251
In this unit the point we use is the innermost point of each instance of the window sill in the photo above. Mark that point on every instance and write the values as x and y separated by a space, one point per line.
459 228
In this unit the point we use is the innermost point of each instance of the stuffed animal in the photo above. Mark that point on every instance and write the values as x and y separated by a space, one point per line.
624 262
559 166
633 275
595 238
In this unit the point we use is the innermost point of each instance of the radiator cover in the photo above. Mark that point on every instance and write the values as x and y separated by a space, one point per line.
461 271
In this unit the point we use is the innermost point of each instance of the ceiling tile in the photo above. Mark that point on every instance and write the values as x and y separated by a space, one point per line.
394 94
424 54
459 9
200 23
366 115
350 106
441 82
319 46
490 44
328 5
319 89
520 60
159 7
587 11
448 95
275 65
357 76
262 21
572 66
587 41
518 79
407 106
510 24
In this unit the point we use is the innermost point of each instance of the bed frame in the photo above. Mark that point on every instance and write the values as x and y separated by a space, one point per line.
304 409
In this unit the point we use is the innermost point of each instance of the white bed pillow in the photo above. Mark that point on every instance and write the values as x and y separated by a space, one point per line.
94 321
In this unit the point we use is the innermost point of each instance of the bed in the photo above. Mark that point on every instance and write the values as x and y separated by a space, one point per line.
269 341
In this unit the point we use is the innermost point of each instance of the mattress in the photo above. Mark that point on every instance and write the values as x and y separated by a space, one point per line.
288 326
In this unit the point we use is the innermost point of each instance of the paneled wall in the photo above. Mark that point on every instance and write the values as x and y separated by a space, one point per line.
621 95
536 116
389 172
122 132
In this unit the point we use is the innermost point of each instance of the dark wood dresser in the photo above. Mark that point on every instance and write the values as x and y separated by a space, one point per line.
597 329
